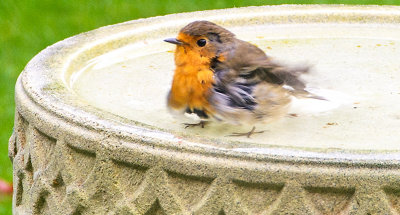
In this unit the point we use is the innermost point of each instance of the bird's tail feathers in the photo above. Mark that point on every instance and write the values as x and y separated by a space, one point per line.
305 94
291 76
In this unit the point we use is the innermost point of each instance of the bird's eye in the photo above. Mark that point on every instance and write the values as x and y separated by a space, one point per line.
201 42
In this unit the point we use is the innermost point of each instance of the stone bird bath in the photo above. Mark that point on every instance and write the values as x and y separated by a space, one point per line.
92 134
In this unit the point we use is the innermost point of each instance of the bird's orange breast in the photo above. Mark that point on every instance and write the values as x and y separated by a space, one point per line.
192 81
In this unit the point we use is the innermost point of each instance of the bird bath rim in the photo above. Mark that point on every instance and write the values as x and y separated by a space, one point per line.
46 82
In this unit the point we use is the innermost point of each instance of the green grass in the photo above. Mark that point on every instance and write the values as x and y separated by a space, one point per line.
5 206
27 26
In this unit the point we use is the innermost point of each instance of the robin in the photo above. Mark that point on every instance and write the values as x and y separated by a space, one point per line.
220 77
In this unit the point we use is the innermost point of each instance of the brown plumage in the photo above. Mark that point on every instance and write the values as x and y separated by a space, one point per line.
220 76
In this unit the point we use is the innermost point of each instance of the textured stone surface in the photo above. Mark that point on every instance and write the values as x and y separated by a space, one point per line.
53 176
70 158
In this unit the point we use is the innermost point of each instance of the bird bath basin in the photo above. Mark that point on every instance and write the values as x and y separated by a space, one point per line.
93 135
133 81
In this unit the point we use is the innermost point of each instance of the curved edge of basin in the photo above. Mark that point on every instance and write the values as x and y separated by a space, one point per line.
49 71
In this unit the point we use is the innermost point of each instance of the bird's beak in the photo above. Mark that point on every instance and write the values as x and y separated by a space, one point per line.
173 41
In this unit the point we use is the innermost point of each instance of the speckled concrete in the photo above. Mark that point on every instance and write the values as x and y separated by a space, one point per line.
71 158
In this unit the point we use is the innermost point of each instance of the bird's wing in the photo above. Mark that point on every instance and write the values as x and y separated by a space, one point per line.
252 64
247 76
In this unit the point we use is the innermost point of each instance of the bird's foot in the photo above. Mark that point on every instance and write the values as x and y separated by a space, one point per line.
201 123
247 134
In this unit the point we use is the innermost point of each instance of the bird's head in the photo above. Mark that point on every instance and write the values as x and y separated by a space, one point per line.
201 39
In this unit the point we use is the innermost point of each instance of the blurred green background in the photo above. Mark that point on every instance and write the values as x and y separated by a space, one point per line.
28 26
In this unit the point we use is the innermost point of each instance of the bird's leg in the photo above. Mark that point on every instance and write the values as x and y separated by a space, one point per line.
247 134
201 123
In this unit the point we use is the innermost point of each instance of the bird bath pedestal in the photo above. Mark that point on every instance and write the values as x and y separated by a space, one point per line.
93 136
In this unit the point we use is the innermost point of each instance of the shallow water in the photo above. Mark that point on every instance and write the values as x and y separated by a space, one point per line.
356 68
